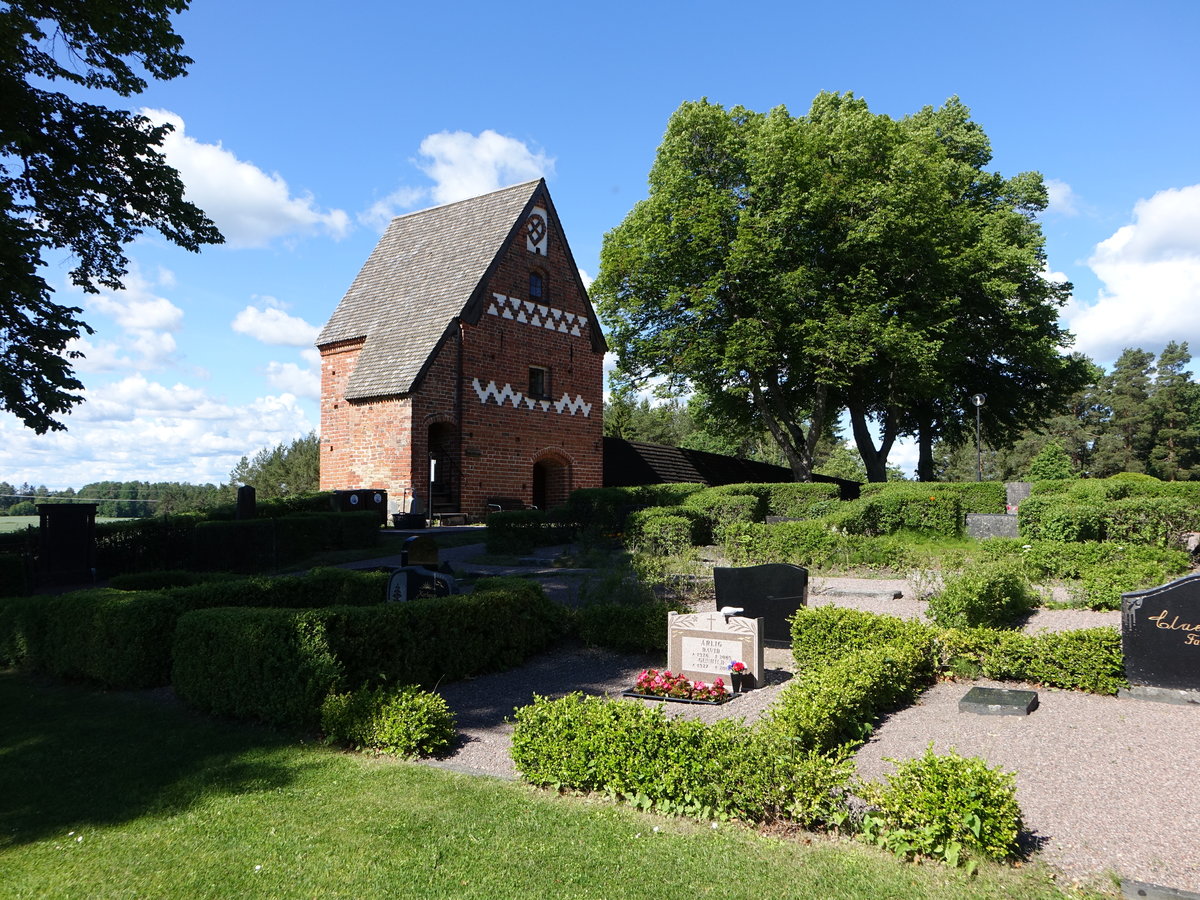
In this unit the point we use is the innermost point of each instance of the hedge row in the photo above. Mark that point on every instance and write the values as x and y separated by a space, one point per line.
723 770
191 542
974 496
1150 520
278 666
14 579
521 530
1118 487
123 639
1084 660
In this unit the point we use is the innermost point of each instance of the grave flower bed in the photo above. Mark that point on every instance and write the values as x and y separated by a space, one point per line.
666 685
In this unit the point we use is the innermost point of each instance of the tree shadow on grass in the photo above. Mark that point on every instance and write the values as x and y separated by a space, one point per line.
74 756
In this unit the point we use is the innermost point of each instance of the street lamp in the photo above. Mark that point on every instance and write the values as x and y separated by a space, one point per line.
978 400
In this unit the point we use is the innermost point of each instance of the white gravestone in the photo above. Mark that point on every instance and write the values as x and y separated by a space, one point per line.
700 646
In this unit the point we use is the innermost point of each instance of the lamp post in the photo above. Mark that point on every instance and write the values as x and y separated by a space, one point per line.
978 400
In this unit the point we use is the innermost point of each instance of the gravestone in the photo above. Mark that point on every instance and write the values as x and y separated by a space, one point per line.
67 542
773 592
700 646
982 526
1160 639
246 503
998 702
1016 493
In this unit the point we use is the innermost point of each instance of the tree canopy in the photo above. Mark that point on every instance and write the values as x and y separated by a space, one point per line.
78 177
789 268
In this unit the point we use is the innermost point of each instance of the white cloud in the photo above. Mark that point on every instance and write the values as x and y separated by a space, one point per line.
1150 275
137 429
462 165
271 325
1063 199
586 279
293 379
250 207
147 320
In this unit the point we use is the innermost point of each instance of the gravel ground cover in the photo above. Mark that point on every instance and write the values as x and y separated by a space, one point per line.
1108 786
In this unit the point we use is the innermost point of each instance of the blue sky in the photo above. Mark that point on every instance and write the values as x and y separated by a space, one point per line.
302 128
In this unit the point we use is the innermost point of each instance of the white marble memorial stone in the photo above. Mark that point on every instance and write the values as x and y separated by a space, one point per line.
700 646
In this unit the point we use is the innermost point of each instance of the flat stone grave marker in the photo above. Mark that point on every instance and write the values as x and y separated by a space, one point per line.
1160 639
700 646
772 592
998 702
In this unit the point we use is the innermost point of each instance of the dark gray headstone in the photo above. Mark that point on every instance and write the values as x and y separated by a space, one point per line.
1160 635
411 582
998 702
981 526
773 593
246 503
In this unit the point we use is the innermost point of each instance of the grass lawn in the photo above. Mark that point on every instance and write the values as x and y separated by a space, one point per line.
121 795
20 523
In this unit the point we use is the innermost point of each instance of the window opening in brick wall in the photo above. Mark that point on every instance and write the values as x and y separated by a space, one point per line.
539 383
535 286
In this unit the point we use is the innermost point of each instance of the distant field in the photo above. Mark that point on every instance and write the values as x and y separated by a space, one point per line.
16 523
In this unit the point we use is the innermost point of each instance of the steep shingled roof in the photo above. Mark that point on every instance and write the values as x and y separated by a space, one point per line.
420 276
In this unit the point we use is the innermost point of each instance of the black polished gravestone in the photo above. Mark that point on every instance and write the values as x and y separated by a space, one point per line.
772 592
1160 638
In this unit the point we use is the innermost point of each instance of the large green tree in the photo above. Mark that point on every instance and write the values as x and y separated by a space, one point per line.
78 177
281 471
789 268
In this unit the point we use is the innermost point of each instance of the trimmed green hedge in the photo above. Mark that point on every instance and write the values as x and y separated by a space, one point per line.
974 496
993 595
277 665
14 580
1148 520
1085 660
802 500
117 638
837 704
823 635
911 508
667 530
521 530
679 766
122 639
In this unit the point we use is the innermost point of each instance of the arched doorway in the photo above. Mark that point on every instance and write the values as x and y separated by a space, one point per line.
551 482
444 478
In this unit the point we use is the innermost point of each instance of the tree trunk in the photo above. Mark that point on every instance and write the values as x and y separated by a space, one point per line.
874 459
925 451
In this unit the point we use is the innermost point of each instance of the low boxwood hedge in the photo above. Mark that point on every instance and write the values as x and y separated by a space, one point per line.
679 766
278 665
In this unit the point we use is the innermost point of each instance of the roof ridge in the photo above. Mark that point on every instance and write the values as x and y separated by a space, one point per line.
474 199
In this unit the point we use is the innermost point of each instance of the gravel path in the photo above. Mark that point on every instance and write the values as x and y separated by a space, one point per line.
1106 785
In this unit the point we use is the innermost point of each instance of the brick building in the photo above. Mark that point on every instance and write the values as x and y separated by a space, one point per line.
465 361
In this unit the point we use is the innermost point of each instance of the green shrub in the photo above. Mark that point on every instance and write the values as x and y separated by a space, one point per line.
628 628
1156 521
994 595
904 508
683 767
278 665
14 580
168 578
673 494
141 545
407 722
801 501
602 511
973 496
666 531
1085 660
722 509
838 704
826 634
939 806
521 530
118 639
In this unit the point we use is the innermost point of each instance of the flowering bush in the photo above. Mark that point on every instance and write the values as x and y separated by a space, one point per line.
668 684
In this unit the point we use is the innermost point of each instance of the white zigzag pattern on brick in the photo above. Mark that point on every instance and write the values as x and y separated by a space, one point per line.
506 394
529 313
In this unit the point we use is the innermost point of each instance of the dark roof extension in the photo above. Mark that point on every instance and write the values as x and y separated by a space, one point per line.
636 462
422 275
